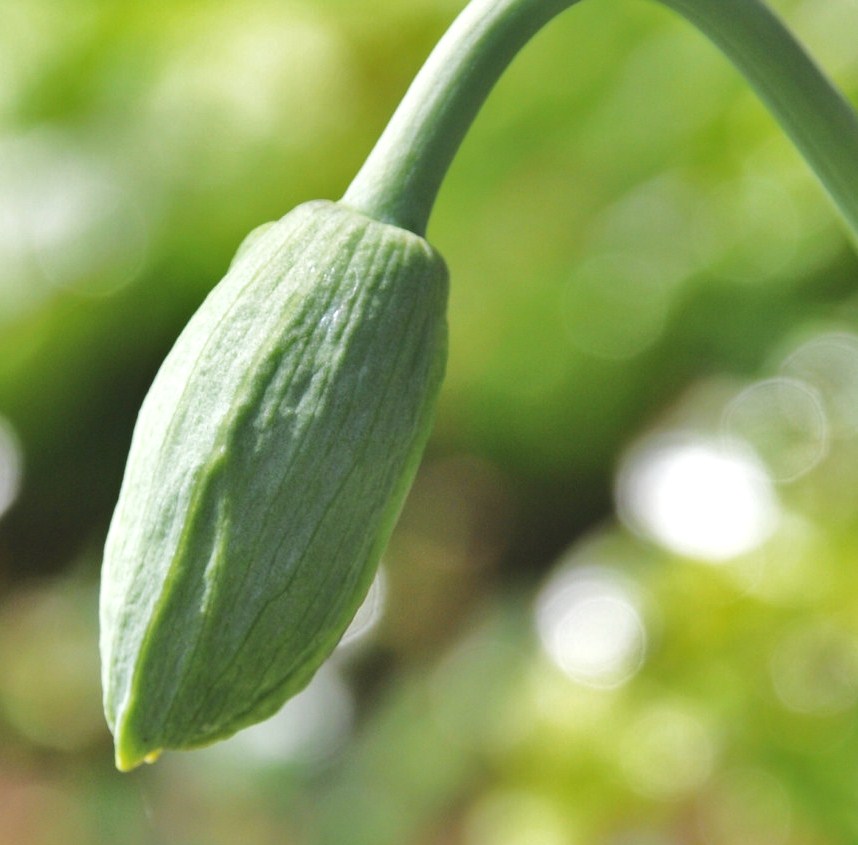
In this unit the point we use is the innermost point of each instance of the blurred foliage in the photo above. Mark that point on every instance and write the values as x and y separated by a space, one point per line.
620 607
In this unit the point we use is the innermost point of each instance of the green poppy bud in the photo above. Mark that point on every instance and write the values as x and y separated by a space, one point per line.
269 462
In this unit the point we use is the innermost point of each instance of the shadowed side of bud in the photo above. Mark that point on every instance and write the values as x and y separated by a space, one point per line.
268 465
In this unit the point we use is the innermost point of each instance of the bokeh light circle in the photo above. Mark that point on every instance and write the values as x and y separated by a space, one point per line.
702 499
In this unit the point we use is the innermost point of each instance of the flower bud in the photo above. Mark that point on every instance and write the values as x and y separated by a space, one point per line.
267 467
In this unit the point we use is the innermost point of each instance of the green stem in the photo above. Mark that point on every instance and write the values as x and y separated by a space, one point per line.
400 179
402 175
819 120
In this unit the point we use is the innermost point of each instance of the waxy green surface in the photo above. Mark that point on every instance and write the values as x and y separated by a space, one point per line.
269 462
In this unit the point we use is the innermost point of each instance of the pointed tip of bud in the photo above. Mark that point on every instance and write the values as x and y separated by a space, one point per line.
131 751
129 758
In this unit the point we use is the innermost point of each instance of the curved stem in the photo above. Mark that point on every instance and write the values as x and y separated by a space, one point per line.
402 175
819 120
400 179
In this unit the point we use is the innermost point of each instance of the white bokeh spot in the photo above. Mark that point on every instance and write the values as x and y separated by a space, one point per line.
701 499
590 626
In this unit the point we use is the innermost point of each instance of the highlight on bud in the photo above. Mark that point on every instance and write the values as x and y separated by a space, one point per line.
267 467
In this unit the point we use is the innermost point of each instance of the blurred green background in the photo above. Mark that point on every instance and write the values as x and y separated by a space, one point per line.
621 606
